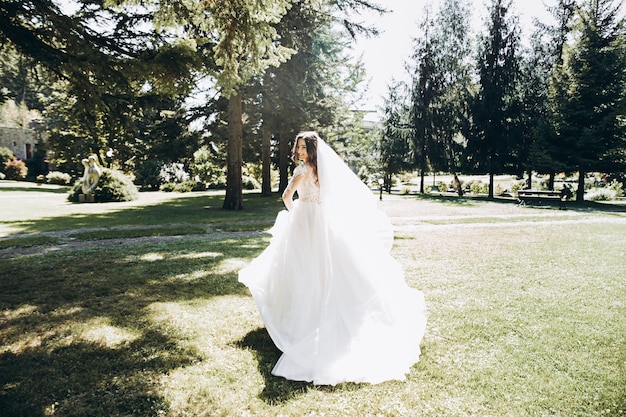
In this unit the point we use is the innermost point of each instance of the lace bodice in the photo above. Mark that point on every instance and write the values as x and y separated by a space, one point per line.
309 190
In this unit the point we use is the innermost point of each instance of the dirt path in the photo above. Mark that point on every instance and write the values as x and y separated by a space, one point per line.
66 241
402 223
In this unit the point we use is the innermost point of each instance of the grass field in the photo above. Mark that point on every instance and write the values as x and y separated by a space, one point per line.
134 309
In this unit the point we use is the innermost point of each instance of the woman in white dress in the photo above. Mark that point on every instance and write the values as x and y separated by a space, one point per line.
332 298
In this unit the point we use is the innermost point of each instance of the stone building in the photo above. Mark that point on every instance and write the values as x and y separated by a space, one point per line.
22 142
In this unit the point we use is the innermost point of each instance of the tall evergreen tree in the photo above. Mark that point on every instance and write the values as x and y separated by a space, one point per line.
245 46
493 139
304 93
441 88
542 146
535 73
311 90
244 43
453 57
426 87
393 148
590 88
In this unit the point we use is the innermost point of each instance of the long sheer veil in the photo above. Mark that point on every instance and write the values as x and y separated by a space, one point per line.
351 207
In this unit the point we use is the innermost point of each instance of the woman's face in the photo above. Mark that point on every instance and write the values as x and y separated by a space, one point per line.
301 150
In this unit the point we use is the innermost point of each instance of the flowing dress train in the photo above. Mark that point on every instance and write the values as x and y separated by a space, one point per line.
332 298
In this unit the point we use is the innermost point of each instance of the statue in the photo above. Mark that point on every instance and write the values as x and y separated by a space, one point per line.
457 185
92 174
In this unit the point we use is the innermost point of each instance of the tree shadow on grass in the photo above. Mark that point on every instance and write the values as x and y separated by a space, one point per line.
200 208
89 379
78 333
474 200
277 389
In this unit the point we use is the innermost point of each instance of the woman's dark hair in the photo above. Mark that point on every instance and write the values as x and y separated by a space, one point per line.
310 139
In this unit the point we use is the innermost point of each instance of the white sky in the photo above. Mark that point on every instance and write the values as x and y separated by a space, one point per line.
385 56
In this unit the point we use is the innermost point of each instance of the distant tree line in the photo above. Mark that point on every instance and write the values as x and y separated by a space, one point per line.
222 87
499 107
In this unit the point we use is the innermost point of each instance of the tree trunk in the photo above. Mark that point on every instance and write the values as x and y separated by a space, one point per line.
490 195
234 194
580 192
529 180
283 165
551 181
266 172
458 187
423 169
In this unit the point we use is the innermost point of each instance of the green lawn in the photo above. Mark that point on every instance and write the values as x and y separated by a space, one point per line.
134 309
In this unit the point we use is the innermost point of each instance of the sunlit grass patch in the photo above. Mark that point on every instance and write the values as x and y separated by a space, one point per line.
160 256
189 277
524 321
21 311
231 265
501 219
198 255
152 257
99 330
213 329
152 209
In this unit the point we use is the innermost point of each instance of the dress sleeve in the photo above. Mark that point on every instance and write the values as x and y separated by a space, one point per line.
299 171
296 179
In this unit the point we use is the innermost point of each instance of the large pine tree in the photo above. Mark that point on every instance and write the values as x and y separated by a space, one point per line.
539 147
453 57
426 86
494 129
589 91
393 148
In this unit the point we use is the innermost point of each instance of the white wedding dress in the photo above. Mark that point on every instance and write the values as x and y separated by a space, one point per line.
332 298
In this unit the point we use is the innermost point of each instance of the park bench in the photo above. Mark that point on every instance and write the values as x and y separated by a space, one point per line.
526 197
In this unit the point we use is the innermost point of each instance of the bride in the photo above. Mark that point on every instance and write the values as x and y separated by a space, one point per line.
332 298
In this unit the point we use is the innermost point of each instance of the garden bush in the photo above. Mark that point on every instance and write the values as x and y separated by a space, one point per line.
516 186
112 186
57 177
15 169
168 187
478 187
6 156
601 194
183 187
147 174
617 186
